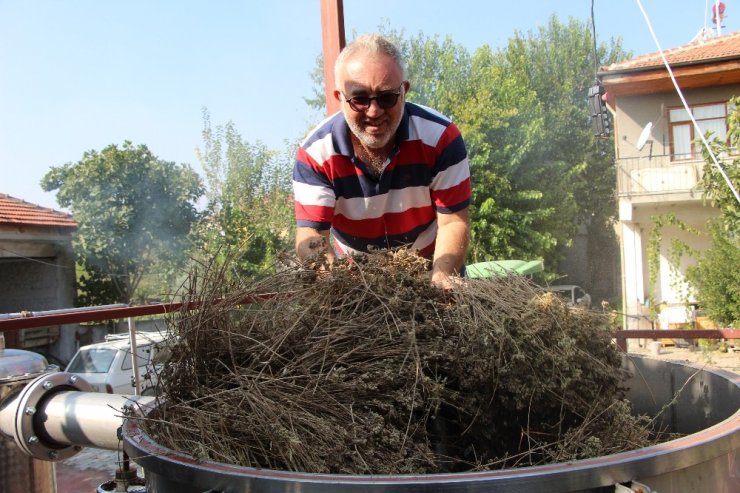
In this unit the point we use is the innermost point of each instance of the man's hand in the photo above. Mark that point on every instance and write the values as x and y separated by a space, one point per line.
453 233
443 281
310 242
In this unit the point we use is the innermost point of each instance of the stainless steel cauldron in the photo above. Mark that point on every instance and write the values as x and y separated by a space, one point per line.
706 460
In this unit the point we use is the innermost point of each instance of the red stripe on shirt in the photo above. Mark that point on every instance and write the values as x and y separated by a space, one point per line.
448 136
427 251
315 213
390 224
416 152
452 196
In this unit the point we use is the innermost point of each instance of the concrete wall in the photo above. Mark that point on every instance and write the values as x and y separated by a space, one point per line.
671 287
37 273
634 112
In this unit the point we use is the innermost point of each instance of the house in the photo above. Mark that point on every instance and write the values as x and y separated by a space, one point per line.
659 165
37 272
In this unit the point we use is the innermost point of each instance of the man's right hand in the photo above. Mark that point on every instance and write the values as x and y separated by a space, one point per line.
310 242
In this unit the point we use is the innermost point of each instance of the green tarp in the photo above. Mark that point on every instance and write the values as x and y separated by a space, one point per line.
497 268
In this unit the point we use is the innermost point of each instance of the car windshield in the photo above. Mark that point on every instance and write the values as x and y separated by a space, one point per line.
92 360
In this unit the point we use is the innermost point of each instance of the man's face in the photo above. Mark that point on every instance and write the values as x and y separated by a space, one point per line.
372 75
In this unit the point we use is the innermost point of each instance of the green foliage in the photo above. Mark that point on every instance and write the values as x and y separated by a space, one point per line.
575 170
536 167
135 213
249 218
717 277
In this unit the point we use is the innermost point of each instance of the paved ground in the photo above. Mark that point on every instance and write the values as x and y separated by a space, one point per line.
86 471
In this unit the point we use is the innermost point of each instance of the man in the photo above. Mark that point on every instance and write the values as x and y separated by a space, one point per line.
383 172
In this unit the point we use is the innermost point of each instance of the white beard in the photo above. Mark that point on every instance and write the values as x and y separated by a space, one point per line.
373 141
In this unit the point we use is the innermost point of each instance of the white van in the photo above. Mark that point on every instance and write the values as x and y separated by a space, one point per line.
107 366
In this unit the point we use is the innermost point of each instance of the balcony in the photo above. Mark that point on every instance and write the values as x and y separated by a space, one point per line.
658 179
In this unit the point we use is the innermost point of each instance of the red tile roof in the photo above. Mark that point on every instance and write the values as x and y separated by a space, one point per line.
713 49
19 212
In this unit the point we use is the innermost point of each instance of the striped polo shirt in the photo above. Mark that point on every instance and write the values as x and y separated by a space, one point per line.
428 173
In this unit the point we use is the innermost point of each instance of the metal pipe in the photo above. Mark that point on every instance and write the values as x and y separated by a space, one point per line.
7 419
60 311
87 419
54 416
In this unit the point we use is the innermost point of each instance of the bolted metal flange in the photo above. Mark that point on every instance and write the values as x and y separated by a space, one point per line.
26 431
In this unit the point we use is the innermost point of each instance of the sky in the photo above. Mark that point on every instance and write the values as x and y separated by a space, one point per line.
79 75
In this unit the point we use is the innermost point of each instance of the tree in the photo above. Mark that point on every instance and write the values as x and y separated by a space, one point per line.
717 278
135 213
559 62
715 275
249 217
537 168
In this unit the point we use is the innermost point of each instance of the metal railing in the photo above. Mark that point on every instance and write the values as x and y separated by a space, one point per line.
25 320
621 336
658 175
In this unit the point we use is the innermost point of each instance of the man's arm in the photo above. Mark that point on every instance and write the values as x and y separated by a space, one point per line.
310 241
453 235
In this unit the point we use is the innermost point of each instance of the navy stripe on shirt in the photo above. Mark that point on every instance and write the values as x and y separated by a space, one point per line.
392 241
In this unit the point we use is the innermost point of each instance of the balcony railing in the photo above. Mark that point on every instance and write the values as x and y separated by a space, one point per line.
658 175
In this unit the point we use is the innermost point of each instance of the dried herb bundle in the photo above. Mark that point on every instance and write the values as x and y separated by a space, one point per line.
368 369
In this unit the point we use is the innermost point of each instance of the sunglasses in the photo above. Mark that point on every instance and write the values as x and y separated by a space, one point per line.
385 100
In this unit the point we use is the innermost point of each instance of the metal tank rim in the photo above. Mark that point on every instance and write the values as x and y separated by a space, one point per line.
712 442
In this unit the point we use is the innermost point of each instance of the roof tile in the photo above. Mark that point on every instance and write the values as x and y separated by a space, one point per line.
700 50
15 211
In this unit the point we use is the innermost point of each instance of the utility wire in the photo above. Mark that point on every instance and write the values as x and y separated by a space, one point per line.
18 255
593 27
686 105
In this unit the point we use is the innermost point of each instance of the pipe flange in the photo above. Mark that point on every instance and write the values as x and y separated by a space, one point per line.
29 429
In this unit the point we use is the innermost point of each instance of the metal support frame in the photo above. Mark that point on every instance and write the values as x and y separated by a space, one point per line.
332 34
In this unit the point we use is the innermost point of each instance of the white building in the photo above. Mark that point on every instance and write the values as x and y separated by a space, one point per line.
659 165
37 272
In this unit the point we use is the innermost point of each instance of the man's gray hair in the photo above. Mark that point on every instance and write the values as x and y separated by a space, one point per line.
373 44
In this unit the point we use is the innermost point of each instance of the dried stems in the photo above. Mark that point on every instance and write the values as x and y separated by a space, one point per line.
368 369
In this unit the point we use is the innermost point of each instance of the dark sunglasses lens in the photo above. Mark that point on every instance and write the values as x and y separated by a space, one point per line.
360 103
386 101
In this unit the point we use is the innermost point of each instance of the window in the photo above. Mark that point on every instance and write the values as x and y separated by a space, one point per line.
709 118
142 357
92 360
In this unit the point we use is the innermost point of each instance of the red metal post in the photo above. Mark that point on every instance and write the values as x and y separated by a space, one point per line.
332 33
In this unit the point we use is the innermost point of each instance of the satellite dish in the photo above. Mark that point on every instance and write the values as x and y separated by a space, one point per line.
644 136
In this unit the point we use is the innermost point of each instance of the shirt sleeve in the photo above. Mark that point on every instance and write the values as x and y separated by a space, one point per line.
451 187
314 197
